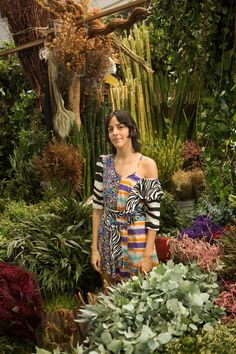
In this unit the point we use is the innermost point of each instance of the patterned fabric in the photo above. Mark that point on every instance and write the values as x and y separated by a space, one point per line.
131 206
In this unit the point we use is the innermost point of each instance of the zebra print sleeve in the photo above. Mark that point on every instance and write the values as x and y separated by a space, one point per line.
153 196
98 185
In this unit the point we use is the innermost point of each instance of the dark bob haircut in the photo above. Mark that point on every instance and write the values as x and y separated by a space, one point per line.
125 118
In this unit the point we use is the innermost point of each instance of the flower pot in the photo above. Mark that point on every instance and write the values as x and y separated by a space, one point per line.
163 248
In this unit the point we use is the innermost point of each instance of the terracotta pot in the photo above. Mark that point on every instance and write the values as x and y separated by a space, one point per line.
163 248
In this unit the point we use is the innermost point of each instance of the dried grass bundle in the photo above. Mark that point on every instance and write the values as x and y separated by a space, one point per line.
182 184
187 184
74 50
60 161
27 21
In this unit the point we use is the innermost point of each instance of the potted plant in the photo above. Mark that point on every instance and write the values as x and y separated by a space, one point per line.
188 181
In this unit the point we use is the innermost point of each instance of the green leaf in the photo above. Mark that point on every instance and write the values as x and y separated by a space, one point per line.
106 337
164 338
153 344
115 346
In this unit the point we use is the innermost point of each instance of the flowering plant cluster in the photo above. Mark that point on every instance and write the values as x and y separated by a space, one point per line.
20 302
191 150
226 299
202 227
187 250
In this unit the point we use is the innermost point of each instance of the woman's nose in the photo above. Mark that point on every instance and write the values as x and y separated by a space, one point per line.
115 131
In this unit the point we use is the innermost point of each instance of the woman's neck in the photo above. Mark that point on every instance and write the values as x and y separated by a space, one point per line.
125 154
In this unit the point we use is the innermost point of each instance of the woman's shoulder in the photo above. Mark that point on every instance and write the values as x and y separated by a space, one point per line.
149 167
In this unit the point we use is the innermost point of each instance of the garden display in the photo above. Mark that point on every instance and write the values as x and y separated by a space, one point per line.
175 74
145 313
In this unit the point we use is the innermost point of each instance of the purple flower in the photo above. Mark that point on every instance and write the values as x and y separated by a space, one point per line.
202 227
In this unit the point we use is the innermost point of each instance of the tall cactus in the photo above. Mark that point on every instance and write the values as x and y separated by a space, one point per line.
136 92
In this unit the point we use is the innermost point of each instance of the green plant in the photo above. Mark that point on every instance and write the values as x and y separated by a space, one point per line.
11 345
52 240
135 93
168 214
167 154
18 108
197 39
218 175
23 181
221 340
219 212
228 241
143 314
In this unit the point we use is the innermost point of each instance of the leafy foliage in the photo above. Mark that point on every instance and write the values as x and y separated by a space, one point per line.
23 180
11 345
221 340
17 106
226 299
20 302
219 176
52 240
219 212
228 241
188 250
197 38
143 314
168 214
167 154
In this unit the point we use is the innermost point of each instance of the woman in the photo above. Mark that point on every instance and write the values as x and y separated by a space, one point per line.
126 206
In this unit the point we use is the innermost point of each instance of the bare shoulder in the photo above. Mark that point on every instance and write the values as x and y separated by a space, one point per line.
149 167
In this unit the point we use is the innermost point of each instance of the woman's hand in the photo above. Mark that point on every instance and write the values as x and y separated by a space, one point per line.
96 260
145 264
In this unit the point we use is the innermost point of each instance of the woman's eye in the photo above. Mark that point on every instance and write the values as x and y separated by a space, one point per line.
121 126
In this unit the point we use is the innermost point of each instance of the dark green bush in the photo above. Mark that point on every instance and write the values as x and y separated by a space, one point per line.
52 240
17 106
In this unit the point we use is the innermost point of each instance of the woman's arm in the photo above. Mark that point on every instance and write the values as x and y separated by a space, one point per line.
149 168
97 212
96 259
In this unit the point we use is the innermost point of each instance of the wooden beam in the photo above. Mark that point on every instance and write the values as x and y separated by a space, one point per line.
40 41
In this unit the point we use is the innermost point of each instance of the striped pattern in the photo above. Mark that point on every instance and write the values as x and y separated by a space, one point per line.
131 199
131 206
98 185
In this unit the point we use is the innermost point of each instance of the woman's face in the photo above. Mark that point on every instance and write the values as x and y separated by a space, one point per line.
118 134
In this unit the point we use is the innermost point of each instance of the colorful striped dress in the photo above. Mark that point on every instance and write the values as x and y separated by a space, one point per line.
131 205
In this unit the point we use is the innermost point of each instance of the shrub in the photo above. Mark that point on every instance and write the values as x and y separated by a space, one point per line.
143 314
168 214
23 181
20 302
167 154
228 241
226 299
52 240
221 340
205 255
